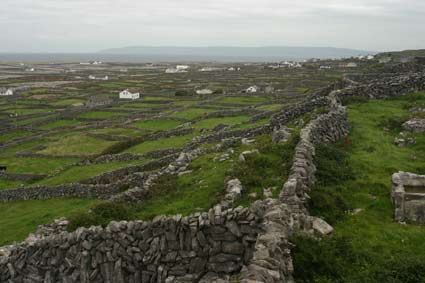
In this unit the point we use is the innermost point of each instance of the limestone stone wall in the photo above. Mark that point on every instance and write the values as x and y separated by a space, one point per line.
251 243
271 262
167 249
74 190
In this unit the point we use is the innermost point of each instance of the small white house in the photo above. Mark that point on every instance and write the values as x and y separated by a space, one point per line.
6 92
324 67
105 78
182 67
352 65
204 91
175 70
126 94
252 89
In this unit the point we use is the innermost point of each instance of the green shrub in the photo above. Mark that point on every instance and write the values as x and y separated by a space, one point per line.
346 100
324 260
101 214
394 124
336 260
182 93
328 204
332 163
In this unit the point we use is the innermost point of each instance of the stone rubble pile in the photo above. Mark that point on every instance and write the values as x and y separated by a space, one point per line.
415 125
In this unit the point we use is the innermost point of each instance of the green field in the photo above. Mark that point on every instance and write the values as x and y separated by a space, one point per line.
60 123
101 115
18 219
244 99
77 173
76 145
165 143
213 122
39 165
157 125
191 113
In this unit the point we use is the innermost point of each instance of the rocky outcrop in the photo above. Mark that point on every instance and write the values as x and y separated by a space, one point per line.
415 125
408 197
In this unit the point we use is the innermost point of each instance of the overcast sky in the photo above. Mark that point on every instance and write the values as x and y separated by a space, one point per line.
91 25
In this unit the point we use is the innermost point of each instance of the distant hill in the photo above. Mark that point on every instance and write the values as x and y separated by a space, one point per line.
236 53
404 53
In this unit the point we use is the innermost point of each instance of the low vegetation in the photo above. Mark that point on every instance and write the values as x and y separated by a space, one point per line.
353 194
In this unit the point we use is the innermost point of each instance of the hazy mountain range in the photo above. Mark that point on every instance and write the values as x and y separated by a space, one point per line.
185 54
237 53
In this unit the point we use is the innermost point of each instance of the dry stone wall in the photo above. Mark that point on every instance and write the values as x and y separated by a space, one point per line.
251 243
167 249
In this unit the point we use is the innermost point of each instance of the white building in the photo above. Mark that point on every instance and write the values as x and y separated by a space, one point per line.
252 89
105 78
370 57
30 70
175 70
126 94
324 67
352 65
6 92
204 91
182 67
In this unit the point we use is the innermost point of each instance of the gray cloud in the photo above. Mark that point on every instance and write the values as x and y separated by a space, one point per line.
90 25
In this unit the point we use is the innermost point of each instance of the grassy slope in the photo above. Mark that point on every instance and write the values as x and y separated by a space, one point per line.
378 247
77 173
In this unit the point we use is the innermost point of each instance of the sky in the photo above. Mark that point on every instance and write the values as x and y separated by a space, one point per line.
92 25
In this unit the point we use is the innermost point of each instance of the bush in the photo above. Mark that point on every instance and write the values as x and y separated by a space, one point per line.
325 260
394 124
218 91
101 214
332 164
336 260
346 100
182 93
328 204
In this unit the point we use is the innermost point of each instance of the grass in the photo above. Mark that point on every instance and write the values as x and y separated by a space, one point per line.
9 184
77 173
120 132
189 193
157 125
13 135
377 249
165 143
18 219
213 122
244 99
60 123
76 145
37 165
67 102
100 115
191 113
269 169
271 107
